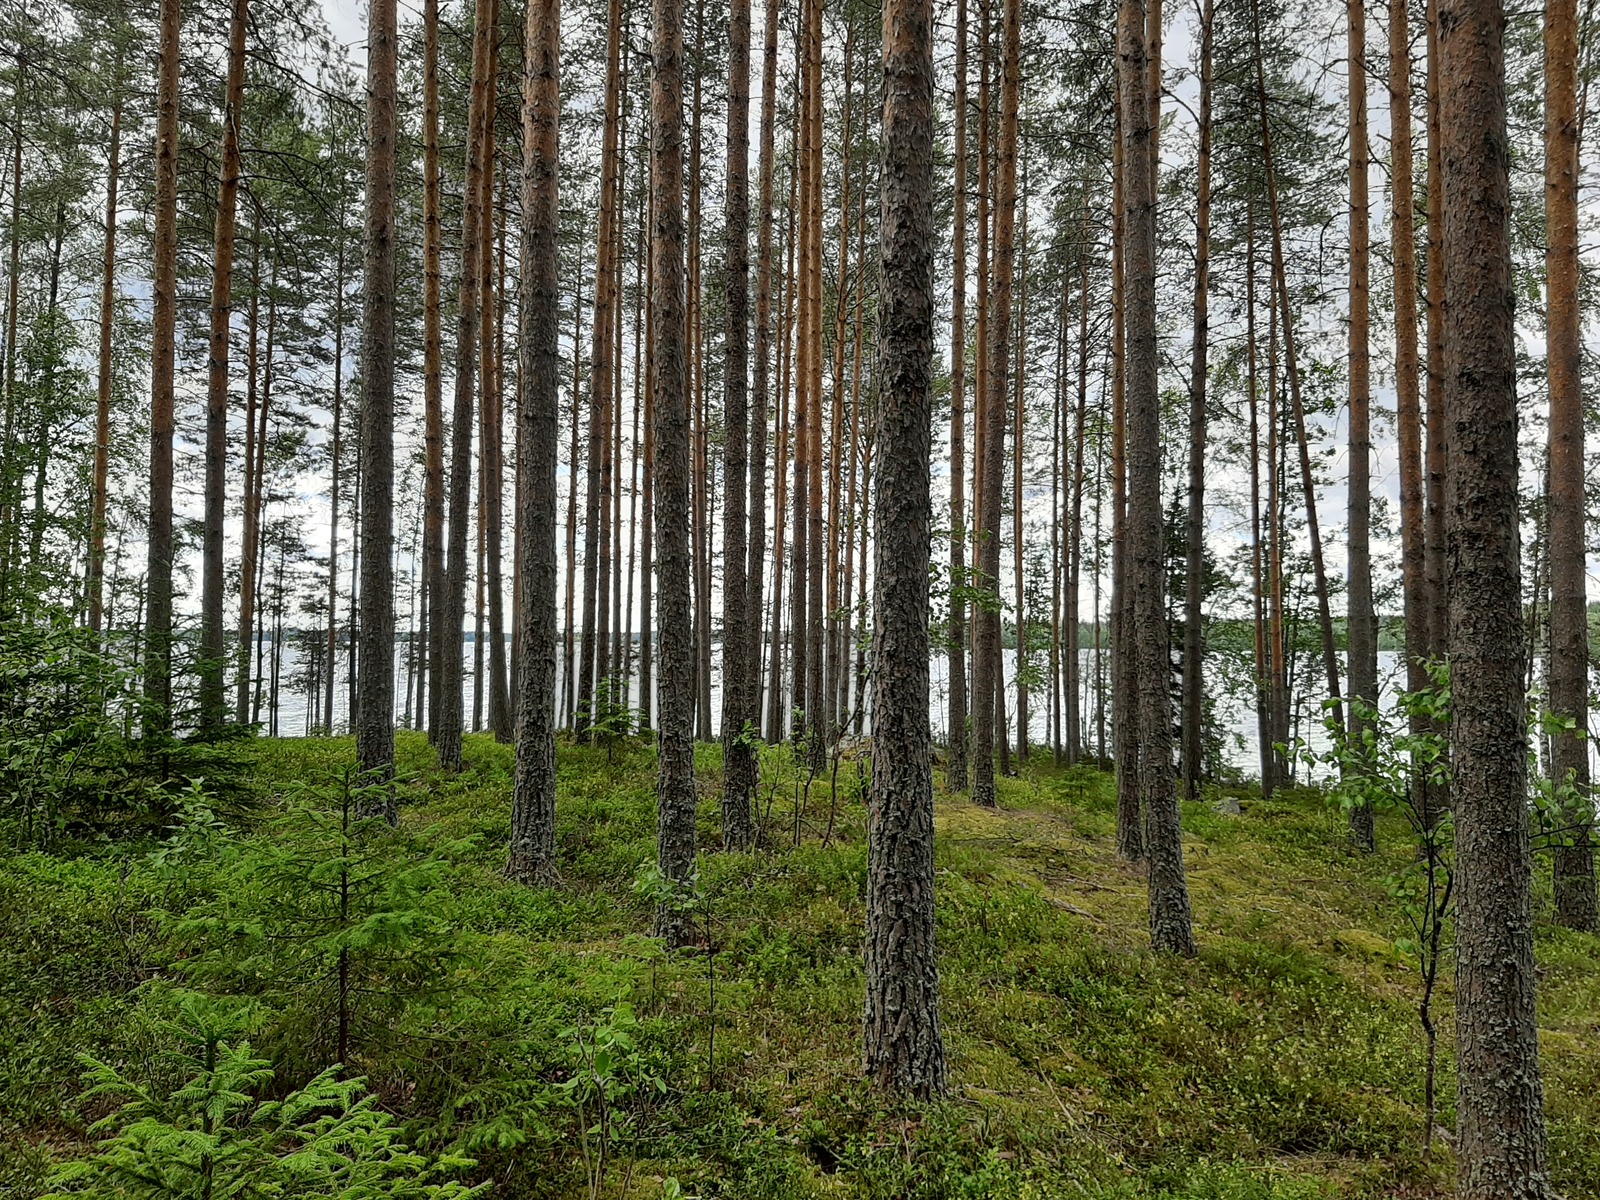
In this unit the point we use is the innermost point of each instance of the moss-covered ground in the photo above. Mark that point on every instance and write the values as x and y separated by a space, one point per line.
1285 1061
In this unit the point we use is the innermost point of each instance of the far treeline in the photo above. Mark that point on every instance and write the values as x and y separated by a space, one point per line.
1011 345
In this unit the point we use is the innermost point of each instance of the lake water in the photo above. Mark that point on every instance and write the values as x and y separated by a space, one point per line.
1234 709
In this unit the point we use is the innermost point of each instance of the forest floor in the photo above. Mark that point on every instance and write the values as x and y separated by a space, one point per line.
547 1034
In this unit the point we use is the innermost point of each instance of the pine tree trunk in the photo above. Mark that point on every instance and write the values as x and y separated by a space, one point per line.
956 772
432 364
1073 643
854 703
997 359
676 788
1192 751
533 805
1124 662
647 636
95 583
1435 452
1362 620
375 704
738 829
699 527
336 454
904 1048
1500 1133
450 607
249 508
1171 928
1019 430
816 708
757 548
1330 658
493 435
212 705
157 715
602 398
807 339
1569 621
1263 667
1408 410
569 684
13 284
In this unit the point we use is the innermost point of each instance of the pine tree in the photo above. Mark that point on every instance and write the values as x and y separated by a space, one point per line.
738 755
1171 927
1500 1132
533 814
1576 901
669 367
374 701
163 350
1362 620
212 708
904 1047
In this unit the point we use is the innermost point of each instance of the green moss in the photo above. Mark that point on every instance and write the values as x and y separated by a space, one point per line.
1283 1063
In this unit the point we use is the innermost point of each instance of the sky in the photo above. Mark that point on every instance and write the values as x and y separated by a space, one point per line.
348 20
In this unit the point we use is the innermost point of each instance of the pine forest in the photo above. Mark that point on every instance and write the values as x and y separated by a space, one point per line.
941 599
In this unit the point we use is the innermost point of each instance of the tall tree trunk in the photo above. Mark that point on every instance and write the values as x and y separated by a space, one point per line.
95 584
996 383
1330 654
569 685
1060 567
738 829
212 706
1073 643
700 529
806 345
1263 669
1361 619
777 714
450 608
336 454
1019 430
676 788
1501 1136
13 285
904 1047
1171 927
836 676
432 365
492 436
157 715
647 639
253 556
533 803
1124 662
602 397
1435 452
815 664
1278 657
1408 411
855 502
757 547
250 509
375 706
956 773
1569 621
1192 751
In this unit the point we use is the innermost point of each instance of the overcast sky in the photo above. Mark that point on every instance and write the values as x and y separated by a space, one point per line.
348 19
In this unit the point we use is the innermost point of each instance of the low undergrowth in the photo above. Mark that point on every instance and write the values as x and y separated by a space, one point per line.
545 1036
